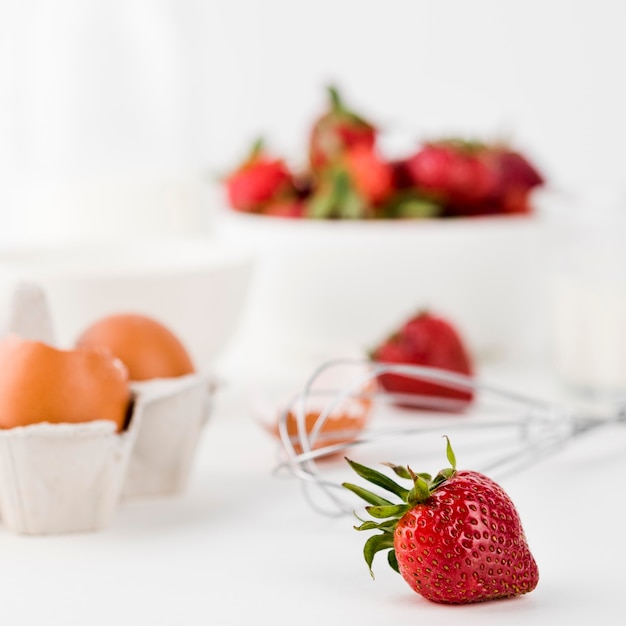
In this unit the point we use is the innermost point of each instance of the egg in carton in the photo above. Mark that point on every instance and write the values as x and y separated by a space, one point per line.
68 426
68 474
176 400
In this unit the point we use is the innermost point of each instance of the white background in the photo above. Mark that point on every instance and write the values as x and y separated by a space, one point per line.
171 90
113 111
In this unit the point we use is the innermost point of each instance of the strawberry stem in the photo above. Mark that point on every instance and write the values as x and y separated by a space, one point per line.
256 149
420 491
335 100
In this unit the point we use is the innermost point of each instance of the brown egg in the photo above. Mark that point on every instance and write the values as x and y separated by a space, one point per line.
340 427
147 348
343 424
39 383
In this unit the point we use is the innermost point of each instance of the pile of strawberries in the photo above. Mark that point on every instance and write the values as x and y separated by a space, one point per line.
347 177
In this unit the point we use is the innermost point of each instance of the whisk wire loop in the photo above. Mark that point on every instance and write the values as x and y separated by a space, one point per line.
540 428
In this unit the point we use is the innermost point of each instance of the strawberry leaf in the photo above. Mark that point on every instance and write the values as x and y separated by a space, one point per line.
418 209
379 479
441 477
400 470
375 544
321 206
387 526
353 206
383 512
450 453
367 495
392 559
257 149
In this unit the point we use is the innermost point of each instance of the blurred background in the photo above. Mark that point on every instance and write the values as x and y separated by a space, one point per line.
118 117
160 96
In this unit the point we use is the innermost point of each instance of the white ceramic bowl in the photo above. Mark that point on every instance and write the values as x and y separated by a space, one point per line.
323 287
195 286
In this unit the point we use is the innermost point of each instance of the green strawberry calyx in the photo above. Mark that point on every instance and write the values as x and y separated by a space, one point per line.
338 198
339 110
336 103
386 513
257 149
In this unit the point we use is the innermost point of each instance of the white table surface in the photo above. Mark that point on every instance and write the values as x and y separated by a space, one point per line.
242 545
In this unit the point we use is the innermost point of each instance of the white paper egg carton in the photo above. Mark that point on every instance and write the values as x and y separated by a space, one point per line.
63 478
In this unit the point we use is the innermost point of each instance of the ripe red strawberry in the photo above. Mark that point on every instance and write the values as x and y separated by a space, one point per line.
372 175
455 538
429 168
515 170
402 179
338 129
516 178
258 180
473 178
431 341
458 173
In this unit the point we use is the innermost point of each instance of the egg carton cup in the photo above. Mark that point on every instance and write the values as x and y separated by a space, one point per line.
63 478
174 412
67 478
70 478
24 311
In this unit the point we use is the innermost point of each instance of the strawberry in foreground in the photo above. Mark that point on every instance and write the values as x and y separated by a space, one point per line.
431 341
456 538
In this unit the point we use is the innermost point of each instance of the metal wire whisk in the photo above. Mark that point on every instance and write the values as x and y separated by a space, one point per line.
538 428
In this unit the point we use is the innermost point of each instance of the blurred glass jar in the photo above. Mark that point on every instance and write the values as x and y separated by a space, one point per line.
588 294
105 125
